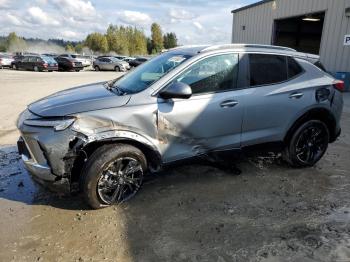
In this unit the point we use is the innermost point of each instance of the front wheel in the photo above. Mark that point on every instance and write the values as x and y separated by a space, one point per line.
113 174
117 69
308 144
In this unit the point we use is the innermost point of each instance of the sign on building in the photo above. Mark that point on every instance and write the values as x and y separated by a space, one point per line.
347 40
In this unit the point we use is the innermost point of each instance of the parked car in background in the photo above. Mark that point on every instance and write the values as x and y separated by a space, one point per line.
110 63
69 64
35 63
6 60
85 61
138 61
120 57
193 101
128 59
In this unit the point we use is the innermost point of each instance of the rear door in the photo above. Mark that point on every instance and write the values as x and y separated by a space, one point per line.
276 95
212 118
26 63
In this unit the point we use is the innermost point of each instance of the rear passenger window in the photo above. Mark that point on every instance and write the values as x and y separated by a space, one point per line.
294 68
267 69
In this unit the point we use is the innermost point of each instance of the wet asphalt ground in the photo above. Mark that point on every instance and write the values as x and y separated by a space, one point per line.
192 212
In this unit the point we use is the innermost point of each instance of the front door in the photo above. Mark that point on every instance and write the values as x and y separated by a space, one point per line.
211 119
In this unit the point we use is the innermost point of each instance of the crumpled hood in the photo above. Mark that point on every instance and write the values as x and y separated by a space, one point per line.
76 100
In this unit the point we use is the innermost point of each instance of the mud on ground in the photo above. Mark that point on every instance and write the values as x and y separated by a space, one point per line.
193 212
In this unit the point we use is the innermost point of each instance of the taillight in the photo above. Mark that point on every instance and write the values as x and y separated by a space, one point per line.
339 85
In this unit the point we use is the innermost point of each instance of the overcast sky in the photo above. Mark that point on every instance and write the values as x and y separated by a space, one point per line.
194 21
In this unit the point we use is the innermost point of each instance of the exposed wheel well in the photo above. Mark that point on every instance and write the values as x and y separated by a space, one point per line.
153 158
314 114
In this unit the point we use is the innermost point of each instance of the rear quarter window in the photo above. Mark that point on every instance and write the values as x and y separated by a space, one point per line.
294 69
267 69
320 66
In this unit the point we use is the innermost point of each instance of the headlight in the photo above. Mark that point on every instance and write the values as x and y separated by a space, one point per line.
58 125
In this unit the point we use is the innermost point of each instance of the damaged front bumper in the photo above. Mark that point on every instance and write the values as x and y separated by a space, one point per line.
41 173
48 155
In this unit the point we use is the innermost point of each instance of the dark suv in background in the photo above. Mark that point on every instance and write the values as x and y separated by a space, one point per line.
138 61
69 64
35 63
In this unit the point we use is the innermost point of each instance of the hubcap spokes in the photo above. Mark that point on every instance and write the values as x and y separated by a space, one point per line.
311 144
120 180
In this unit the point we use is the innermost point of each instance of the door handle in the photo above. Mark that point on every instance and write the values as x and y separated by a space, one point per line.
296 95
229 103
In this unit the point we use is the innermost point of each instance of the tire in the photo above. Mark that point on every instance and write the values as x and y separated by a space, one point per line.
117 69
97 68
308 144
77 70
14 67
36 69
105 175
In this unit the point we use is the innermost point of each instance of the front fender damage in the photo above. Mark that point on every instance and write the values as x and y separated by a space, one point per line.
82 138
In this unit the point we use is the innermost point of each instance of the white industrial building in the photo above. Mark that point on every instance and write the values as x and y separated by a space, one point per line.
314 26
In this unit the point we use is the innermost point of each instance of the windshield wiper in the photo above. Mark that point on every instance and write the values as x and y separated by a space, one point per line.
118 90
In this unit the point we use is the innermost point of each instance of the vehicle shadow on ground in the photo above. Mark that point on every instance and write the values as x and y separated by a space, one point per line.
17 185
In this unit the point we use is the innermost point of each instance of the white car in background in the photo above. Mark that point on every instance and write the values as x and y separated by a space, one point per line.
5 60
85 60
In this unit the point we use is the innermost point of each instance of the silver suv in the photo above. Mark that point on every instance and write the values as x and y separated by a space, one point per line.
110 63
191 101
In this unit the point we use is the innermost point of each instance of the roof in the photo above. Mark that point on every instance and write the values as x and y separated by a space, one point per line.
250 6
193 50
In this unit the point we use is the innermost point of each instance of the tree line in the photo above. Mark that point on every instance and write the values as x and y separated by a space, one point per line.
128 40
123 40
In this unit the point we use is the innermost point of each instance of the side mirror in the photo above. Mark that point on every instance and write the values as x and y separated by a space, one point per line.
176 90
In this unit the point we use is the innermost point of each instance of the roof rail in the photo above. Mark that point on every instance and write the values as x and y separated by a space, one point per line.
229 46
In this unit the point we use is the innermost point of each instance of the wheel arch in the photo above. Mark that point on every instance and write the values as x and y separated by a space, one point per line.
152 155
321 114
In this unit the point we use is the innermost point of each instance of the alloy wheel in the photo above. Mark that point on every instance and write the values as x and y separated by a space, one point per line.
311 144
120 180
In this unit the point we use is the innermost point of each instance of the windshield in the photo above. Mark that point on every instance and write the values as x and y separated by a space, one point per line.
148 73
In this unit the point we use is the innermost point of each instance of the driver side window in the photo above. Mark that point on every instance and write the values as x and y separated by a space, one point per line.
213 74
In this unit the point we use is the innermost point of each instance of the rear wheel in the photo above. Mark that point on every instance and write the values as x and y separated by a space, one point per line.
308 144
36 69
113 174
97 68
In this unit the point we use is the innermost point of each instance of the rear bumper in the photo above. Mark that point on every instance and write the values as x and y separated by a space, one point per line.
51 68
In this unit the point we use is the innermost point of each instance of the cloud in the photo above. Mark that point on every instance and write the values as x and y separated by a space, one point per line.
198 25
13 20
135 18
38 16
4 4
181 14
69 34
79 9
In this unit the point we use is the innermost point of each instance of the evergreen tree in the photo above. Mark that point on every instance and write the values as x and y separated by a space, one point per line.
157 38
170 40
